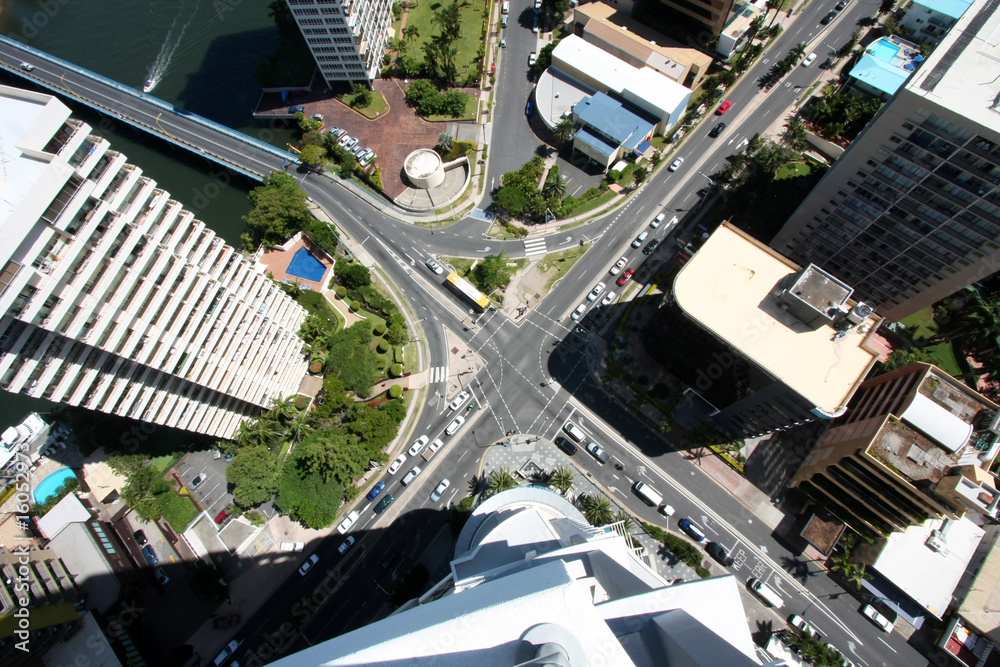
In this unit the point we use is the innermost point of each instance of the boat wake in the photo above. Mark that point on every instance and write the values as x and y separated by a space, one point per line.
167 50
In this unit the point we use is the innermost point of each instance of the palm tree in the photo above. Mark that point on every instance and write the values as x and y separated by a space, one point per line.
852 571
628 524
299 429
562 479
794 135
563 131
597 510
260 431
797 51
411 33
555 189
776 6
283 408
500 480
979 324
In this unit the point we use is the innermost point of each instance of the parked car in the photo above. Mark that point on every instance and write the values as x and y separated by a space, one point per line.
389 560
619 265
377 489
650 247
598 453
348 521
150 555
397 464
879 618
676 164
418 445
717 130
455 424
692 529
383 504
639 239
800 623
317 116
293 546
296 109
334 130
459 400
608 298
346 544
532 59
624 278
221 516
842 4
439 491
527 109
226 622
196 482
227 652
724 107
719 553
161 576
578 313
565 445
596 292
412 475
140 537
308 565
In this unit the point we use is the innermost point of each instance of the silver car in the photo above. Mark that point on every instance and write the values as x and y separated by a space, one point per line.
410 476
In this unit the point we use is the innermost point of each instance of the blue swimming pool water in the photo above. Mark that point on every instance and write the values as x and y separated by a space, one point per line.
884 51
305 265
46 488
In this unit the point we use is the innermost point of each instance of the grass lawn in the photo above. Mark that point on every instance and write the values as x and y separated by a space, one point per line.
373 110
926 327
558 264
178 510
461 265
626 178
791 170
591 204
471 106
924 322
421 15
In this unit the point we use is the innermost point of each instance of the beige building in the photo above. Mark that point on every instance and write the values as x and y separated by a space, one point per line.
639 45
910 213
712 13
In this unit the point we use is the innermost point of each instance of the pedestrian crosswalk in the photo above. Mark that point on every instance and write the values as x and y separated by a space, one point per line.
438 374
534 247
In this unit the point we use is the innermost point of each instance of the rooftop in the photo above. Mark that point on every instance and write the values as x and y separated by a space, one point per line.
952 8
907 452
981 606
729 286
960 74
742 15
929 574
887 63
612 119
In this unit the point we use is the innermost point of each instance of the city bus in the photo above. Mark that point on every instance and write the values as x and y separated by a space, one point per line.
465 289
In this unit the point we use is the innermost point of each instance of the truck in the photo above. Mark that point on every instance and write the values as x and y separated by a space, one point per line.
648 494
467 291
765 593
292 546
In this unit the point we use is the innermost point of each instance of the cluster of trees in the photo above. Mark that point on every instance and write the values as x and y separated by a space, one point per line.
786 64
145 489
439 52
278 211
353 281
491 272
812 649
424 96
840 115
520 197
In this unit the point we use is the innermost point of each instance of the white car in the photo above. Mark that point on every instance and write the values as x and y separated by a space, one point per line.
439 491
433 265
230 648
27 67
797 621
676 164
455 424
459 400
308 565
344 140
578 313
347 544
809 60
410 476
877 618
608 299
418 445
397 464
596 292
348 521
532 59
657 220
619 265
437 444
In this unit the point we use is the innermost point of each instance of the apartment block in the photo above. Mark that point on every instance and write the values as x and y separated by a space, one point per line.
114 297
929 20
914 445
910 213
346 37
761 343
714 14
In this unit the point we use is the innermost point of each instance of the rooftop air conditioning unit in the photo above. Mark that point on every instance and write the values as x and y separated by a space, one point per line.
936 543
860 313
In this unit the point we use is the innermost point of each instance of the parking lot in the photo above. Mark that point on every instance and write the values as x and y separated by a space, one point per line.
212 494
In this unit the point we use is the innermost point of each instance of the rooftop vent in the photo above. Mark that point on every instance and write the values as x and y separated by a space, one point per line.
936 543
860 313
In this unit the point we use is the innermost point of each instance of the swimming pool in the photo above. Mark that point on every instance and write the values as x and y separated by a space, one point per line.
46 488
884 51
305 265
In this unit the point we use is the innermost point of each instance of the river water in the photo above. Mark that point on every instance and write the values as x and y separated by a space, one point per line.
201 55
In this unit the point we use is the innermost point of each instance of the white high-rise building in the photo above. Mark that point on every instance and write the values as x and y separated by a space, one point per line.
113 297
533 583
346 37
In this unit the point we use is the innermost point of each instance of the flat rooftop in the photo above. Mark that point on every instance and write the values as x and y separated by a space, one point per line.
728 288
887 63
906 451
961 73
20 112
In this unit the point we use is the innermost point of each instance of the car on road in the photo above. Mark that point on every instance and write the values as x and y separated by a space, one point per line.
719 553
459 400
565 445
455 424
723 108
578 313
347 544
639 239
439 491
676 164
624 278
140 537
809 60
196 482
296 109
608 299
377 489
650 247
598 453
829 17
717 130
801 624
878 618
384 503
397 464
227 652
412 475
348 521
527 109
150 555
221 517
596 292
436 445
655 222
223 622
418 445
433 265
161 577
619 265
693 530
503 43
532 59
308 565
842 4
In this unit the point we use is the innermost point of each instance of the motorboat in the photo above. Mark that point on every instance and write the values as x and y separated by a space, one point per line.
148 86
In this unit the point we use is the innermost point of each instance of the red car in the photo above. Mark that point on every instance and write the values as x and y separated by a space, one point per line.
624 277
723 108
221 516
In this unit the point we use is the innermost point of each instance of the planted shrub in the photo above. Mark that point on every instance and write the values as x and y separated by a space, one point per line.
379 329
355 305
316 367
340 291
396 370
395 391
301 402
383 346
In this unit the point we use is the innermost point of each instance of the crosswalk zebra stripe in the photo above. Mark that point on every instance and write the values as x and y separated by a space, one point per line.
438 374
534 247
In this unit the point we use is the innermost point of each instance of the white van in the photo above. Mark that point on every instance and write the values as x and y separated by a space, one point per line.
573 431
505 9
648 494
765 593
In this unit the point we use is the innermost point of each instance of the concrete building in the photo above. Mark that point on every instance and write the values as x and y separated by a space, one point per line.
972 633
910 213
928 21
614 31
713 14
115 298
346 37
734 32
884 67
915 445
532 580
761 343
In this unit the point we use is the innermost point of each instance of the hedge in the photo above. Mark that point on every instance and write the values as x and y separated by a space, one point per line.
397 354
376 302
396 370
395 391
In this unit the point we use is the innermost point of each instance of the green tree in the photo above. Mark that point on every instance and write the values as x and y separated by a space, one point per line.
262 432
900 358
448 19
597 509
278 209
555 184
797 52
352 275
628 524
776 6
138 490
886 6
362 96
563 132
411 33
333 456
640 175
849 45
445 143
500 480
511 200
852 571
562 479
794 135
492 272
254 475
545 56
